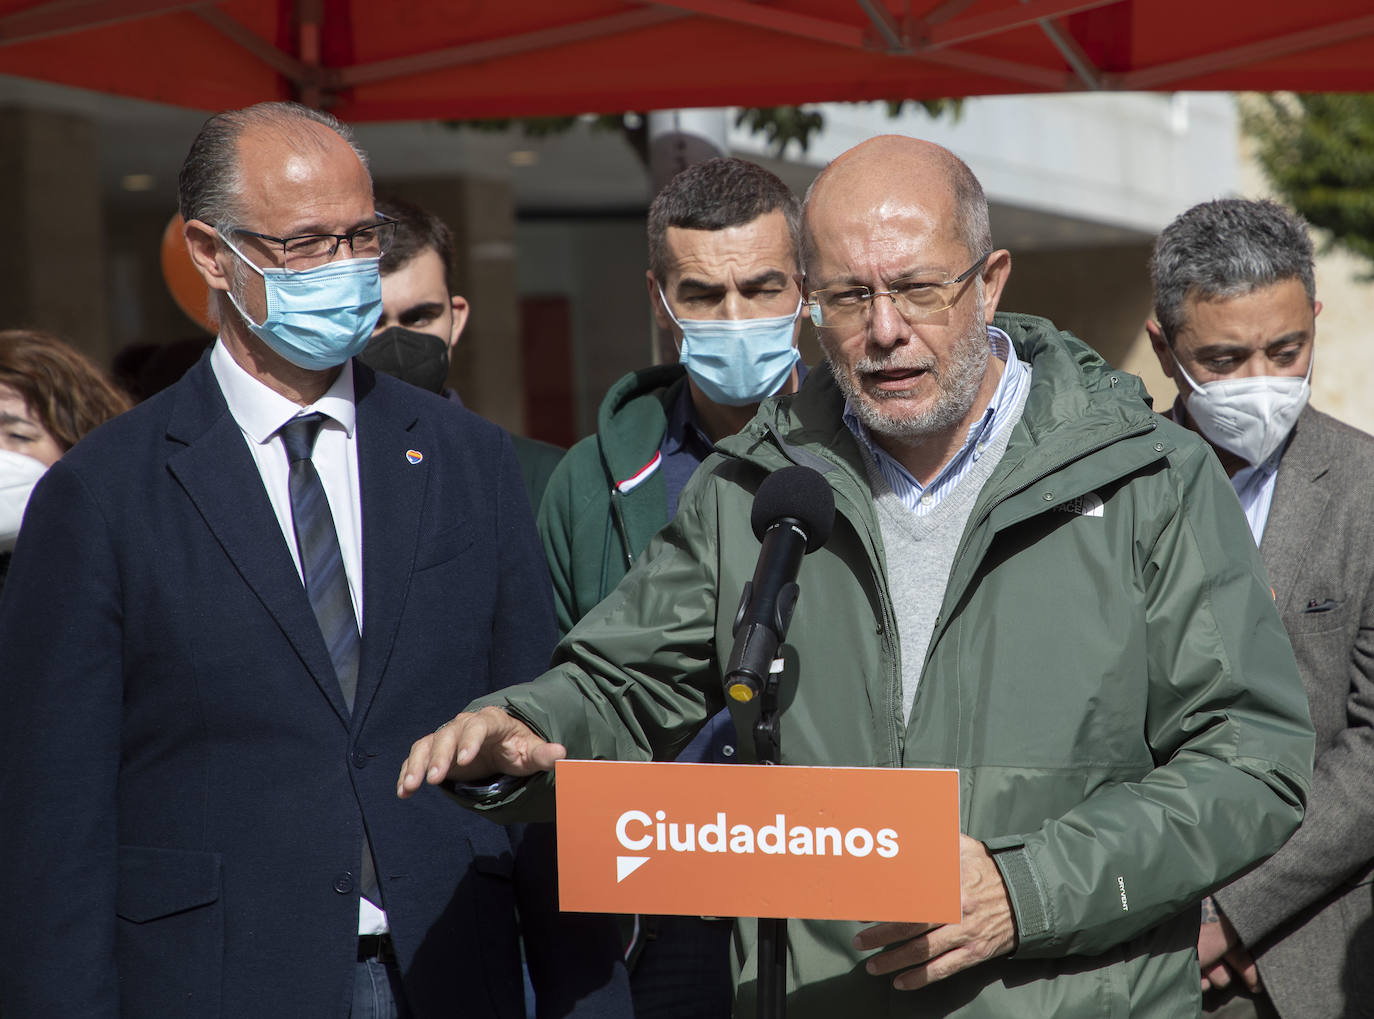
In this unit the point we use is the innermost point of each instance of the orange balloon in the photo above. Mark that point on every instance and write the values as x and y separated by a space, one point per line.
184 283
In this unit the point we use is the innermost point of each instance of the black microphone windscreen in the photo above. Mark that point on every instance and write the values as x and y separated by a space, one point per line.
800 493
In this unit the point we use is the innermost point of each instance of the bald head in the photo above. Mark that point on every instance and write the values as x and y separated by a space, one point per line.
212 179
891 171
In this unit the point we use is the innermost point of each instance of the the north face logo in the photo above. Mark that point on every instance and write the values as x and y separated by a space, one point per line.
1089 505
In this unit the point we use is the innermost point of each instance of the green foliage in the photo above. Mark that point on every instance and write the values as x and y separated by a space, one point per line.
1317 151
783 125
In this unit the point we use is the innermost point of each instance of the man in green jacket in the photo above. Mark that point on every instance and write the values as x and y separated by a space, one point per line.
723 280
1032 578
724 257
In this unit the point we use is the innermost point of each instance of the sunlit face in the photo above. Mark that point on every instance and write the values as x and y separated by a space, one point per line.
21 431
740 272
415 296
1268 331
906 380
292 188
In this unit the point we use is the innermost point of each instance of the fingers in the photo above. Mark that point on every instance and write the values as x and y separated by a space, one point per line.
447 749
936 952
1240 963
923 953
421 762
1218 976
544 756
884 934
913 950
475 746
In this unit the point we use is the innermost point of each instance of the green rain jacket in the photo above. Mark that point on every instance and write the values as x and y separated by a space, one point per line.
1107 672
607 499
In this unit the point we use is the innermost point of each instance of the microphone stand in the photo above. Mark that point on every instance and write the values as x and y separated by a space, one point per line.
793 513
772 955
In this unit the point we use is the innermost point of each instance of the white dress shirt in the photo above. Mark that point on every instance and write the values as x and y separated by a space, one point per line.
260 411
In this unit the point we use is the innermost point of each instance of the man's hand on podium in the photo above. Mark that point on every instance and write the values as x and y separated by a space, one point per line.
476 746
921 953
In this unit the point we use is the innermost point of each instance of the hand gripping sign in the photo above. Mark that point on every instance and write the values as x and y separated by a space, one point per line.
866 844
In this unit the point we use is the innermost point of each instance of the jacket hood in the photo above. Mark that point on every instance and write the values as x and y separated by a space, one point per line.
633 416
1077 403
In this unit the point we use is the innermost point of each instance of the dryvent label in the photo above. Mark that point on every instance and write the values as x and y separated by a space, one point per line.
866 844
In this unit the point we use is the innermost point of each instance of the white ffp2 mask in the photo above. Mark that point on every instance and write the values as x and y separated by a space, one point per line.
1251 416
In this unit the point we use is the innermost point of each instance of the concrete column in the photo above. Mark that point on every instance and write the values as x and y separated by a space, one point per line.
52 268
1101 295
487 367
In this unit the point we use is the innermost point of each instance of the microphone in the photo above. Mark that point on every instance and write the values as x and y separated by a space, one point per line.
793 514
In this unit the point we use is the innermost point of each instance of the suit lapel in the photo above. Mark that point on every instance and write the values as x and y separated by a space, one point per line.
1300 498
393 494
218 473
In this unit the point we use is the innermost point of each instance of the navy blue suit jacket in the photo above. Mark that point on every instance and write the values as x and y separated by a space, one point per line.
182 788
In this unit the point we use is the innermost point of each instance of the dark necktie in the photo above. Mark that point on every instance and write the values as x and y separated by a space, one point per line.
326 583
317 541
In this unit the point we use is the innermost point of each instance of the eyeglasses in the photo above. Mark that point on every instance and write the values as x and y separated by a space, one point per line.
305 251
915 298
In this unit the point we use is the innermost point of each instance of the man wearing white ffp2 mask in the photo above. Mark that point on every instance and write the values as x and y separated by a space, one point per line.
1236 323
1235 332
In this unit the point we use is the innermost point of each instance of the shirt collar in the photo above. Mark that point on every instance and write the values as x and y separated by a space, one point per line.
1000 345
684 426
260 410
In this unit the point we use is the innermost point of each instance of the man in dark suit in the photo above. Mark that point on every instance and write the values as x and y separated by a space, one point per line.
230 612
1236 321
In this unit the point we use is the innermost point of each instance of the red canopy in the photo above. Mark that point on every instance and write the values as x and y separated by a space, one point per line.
411 59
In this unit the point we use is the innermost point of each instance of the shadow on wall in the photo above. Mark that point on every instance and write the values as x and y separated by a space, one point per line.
1102 296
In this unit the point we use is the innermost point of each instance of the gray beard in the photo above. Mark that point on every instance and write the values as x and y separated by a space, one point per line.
957 385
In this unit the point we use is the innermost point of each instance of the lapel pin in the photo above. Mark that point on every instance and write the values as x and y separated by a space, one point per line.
414 455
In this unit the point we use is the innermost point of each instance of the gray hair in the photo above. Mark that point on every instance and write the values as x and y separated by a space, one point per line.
1227 248
714 195
210 184
970 211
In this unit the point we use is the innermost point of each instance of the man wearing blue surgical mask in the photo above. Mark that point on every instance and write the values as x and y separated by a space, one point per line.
1236 325
723 282
231 609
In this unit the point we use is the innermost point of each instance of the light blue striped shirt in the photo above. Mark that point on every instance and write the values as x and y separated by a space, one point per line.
1000 413
1255 488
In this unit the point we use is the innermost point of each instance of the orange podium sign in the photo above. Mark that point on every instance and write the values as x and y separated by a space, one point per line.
866 844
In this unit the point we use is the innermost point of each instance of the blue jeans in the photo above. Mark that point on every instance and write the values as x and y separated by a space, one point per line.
377 992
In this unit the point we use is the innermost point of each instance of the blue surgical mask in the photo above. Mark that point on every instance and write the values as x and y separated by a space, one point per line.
317 318
735 362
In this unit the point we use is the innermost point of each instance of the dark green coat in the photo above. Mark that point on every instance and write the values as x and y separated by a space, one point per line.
1115 687
593 527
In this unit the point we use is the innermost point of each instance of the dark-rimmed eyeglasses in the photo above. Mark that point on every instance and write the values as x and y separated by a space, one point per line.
306 251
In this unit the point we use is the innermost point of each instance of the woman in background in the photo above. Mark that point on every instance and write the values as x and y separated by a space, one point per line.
50 396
